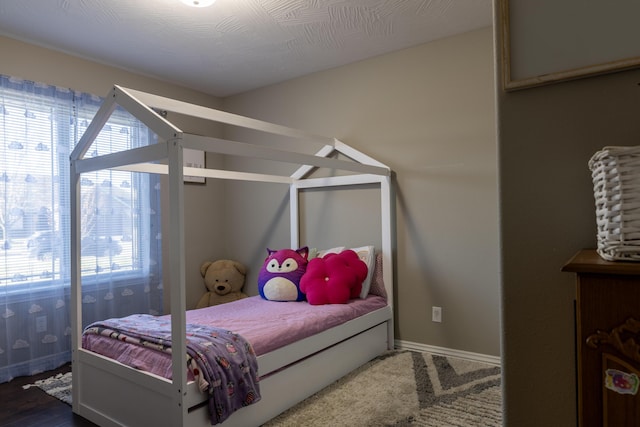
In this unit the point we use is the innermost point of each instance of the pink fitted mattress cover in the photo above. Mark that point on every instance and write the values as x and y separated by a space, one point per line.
267 325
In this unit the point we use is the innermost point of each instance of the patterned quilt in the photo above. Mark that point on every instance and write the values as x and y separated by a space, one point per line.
222 362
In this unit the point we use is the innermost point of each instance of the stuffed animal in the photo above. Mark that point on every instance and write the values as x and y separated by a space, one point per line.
334 278
279 277
224 280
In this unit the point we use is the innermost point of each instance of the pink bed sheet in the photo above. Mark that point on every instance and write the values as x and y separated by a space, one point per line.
267 325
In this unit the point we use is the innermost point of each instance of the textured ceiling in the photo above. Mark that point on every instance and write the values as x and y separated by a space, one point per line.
236 45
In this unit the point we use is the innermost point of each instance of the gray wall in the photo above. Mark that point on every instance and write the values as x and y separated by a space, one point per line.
547 136
429 113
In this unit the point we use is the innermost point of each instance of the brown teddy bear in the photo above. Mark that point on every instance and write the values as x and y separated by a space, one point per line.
224 280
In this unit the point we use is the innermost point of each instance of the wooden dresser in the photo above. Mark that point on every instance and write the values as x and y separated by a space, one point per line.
608 340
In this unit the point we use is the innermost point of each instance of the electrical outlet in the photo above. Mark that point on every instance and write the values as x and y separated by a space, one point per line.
436 314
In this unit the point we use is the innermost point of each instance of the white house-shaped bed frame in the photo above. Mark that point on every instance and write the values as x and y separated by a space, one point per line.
111 394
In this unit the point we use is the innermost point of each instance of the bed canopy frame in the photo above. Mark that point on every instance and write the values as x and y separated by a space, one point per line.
174 399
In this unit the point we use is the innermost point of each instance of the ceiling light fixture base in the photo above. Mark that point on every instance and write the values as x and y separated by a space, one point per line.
198 3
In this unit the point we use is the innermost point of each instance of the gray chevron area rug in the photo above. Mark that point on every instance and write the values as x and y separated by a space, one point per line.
405 388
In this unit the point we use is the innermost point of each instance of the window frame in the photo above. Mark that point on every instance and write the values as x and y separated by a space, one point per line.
66 127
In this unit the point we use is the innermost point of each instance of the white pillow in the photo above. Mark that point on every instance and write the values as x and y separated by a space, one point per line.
324 252
366 254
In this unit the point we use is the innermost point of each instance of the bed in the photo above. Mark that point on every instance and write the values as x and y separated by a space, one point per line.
111 392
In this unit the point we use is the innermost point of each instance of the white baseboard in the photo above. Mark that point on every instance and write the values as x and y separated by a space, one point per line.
442 351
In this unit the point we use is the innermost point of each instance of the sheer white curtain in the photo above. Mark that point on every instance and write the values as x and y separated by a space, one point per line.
120 258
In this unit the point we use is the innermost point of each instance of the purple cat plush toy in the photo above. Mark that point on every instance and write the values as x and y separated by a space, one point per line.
279 277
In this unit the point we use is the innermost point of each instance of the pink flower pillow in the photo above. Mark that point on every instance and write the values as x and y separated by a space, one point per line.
333 279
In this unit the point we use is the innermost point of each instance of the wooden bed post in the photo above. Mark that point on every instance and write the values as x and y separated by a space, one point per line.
387 202
177 279
294 215
76 288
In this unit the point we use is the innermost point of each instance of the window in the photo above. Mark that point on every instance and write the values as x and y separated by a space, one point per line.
120 223
39 126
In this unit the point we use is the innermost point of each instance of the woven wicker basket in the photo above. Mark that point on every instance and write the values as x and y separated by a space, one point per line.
616 187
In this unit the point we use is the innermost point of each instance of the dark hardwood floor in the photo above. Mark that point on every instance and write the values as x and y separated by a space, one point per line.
33 407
